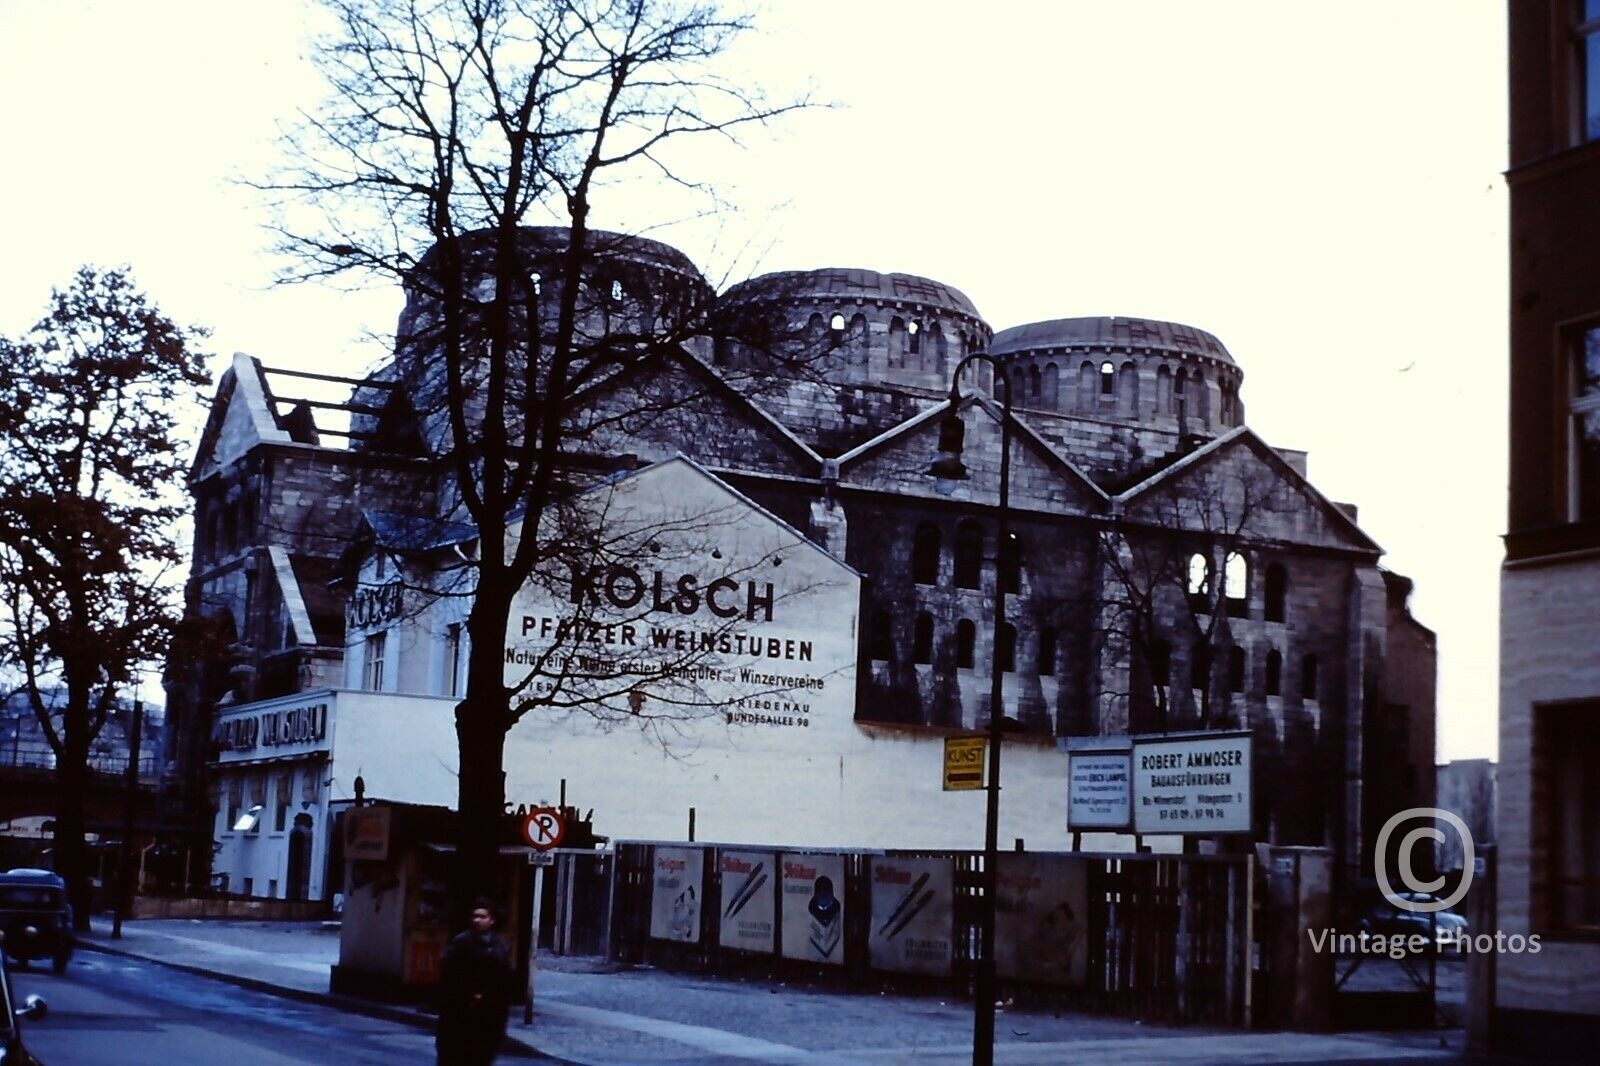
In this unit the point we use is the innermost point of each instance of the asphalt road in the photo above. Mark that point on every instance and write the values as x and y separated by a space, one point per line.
111 1010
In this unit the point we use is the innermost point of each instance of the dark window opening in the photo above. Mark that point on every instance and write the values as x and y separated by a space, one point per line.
1006 646
1200 667
1274 673
1277 592
1236 669
1308 678
1011 563
922 639
1161 663
1566 749
914 336
836 329
1108 380
1047 651
925 554
966 639
968 553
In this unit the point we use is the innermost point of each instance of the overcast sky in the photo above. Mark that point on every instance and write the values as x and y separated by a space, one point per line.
1319 186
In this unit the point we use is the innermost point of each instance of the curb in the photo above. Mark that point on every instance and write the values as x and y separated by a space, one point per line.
514 1047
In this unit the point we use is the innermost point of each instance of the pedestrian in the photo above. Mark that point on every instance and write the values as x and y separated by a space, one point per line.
475 977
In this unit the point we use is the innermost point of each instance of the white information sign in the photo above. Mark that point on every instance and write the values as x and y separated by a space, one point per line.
1198 784
1099 789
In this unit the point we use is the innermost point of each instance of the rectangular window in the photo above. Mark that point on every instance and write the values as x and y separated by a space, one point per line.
1585 412
452 659
1566 773
372 669
1586 37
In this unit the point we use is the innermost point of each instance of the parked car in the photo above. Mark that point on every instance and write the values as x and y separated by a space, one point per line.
35 917
12 1014
1384 918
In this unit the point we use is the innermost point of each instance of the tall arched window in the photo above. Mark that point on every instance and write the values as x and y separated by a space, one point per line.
914 337
1236 584
1197 582
1236 669
1108 382
1086 386
1050 395
922 639
968 553
897 342
836 329
1047 651
1308 677
925 555
880 638
966 638
1011 563
1274 673
1277 592
1034 384
1006 646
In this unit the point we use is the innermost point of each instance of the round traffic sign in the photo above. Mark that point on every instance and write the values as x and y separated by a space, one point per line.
543 828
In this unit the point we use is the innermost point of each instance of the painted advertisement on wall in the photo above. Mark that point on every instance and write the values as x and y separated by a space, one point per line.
749 900
912 915
697 604
675 894
813 907
1041 918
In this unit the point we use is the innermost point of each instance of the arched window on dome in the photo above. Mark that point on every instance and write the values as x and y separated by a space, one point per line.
913 337
1035 384
1019 386
1200 401
898 346
1087 386
857 339
966 639
941 350
836 329
1050 398
925 554
1108 382
816 334
922 639
1179 381
1128 398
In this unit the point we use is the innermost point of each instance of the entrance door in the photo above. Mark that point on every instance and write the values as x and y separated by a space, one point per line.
299 886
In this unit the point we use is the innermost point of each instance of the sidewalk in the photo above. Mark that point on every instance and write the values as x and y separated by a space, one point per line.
587 1012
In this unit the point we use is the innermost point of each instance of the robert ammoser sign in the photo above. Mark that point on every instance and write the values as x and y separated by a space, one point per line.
1197 784
696 599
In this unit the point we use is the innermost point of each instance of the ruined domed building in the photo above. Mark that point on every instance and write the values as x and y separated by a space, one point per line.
1167 569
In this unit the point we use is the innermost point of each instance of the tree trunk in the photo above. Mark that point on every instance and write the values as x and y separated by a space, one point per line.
481 723
72 784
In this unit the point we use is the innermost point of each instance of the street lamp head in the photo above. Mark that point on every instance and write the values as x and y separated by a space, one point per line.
948 468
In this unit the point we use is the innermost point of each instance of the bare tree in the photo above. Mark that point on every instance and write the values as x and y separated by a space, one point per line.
90 477
454 129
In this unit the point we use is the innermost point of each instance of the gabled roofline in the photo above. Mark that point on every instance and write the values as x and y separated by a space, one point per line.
244 378
997 412
1253 440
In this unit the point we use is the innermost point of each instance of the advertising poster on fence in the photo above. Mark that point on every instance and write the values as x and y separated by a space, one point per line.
1041 918
675 894
813 908
749 899
912 920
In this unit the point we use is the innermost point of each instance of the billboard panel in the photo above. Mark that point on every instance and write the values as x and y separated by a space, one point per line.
749 900
813 908
1041 918
675 894
912 915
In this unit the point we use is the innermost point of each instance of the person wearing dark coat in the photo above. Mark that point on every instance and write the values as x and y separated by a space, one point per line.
475 977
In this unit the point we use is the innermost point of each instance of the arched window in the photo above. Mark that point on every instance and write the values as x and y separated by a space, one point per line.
1277 592
1050 397
1200 403
879 641
897 343
1011 563
1035 380
1197 581
836 329
966 637
922 639
1128 401
1017 383
968 553
1108 382
913 336
1274 672
1236 584
1308 677
1047 651
1236 669
1086 386
1163 388
925 554
1005 646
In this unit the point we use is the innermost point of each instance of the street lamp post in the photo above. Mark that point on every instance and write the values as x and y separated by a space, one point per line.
949 468
125 865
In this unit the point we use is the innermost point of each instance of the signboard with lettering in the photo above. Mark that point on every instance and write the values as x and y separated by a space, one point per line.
675 893
374 605
912 916
1196 784
813 907
963 763
1041 918
699 600
749 900
1099 789
271 732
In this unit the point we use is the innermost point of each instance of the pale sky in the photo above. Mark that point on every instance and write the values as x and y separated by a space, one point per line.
1318 186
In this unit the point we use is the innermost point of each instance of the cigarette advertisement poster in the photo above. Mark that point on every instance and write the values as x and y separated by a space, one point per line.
675 895
749 900
1041 915
813 908
912 917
